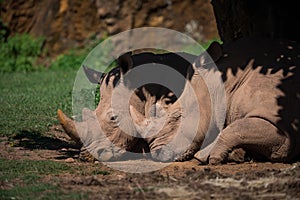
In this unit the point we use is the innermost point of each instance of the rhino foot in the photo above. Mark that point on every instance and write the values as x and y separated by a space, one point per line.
236 155
212 160
188 155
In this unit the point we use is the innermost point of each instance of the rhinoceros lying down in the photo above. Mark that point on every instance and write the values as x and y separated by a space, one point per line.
262 88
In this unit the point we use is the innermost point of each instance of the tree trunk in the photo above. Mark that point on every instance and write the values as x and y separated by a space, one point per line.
264 18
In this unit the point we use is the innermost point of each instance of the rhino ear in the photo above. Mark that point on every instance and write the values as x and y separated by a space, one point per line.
215 51
93 75
125 62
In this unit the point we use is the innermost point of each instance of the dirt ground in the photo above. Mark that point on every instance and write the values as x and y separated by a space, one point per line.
187 180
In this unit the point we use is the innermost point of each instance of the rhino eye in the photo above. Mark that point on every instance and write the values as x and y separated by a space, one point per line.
113 118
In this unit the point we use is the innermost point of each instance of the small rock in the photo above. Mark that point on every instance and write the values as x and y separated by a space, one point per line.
69 160
156 21
110 21
113 29
102 12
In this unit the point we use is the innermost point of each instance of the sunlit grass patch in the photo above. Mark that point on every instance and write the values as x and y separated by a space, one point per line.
29 101
29 170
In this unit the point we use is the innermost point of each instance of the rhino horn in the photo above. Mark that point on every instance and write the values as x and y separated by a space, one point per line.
148 127
69 126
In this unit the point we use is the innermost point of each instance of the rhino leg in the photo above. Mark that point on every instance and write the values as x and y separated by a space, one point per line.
237 155
255 135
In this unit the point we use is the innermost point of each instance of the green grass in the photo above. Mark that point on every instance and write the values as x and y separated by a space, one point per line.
26 178
29 171
19 53
29 100
68 61
40 191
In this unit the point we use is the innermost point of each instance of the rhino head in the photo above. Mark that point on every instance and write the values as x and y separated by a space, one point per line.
154 119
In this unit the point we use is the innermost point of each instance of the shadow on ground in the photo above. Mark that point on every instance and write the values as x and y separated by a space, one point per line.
32 140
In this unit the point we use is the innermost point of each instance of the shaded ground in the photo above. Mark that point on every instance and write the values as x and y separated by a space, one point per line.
186 180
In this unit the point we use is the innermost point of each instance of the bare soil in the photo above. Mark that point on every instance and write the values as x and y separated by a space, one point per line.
187 180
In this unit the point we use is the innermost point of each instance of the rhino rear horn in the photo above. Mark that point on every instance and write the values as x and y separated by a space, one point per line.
93 75
125 62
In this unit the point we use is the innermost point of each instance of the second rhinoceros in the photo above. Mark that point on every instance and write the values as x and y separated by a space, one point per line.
262 96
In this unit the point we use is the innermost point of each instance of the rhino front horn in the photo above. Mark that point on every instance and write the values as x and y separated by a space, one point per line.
69 126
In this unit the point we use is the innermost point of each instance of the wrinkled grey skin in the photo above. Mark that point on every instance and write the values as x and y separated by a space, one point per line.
261 82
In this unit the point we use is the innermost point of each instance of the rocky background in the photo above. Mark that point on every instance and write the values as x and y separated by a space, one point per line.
67 24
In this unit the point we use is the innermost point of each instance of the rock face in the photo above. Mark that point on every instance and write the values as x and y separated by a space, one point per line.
70 23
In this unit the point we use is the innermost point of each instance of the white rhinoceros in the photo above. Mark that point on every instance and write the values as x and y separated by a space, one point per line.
262 91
